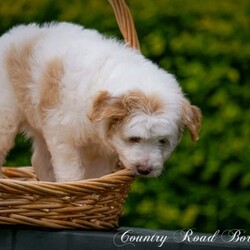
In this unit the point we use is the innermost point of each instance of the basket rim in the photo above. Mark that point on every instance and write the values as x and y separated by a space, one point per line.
120 173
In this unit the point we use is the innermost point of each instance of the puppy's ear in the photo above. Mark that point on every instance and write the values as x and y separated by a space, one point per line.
191 118
105 106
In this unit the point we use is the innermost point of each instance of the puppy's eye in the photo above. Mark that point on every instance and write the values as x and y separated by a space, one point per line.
134 139
163 141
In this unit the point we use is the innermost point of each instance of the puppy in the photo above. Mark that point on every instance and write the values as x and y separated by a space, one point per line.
87 102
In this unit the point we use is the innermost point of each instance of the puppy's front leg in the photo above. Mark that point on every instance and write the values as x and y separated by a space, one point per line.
41 159
66 161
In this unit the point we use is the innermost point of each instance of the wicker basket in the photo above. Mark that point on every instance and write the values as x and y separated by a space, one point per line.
90 204
93 203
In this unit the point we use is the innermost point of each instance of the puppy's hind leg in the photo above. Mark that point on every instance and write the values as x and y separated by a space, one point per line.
9 125
41 159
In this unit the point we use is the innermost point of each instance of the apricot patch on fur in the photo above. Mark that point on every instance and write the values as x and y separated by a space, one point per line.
137 100
50 85
18 61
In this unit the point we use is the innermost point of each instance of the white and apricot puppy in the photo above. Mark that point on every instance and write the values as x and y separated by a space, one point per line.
88 102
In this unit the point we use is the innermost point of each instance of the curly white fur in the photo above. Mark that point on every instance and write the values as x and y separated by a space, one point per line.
87 101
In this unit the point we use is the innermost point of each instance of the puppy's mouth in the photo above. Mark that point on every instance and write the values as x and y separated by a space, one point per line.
139 170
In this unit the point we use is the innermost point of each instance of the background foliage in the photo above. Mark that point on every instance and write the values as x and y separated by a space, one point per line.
206 44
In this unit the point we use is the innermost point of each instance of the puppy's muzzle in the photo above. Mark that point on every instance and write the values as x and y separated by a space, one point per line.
143 170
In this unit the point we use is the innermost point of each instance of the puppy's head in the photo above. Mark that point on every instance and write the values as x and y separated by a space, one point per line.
143 128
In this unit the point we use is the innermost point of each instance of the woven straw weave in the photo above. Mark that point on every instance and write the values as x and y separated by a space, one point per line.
90 204
93 203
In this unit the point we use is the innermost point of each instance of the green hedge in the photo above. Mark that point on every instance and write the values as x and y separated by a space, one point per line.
206 44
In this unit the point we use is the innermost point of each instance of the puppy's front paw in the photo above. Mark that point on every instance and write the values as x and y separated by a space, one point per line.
118 166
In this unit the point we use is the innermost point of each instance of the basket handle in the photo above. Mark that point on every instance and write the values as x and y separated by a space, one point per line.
125 23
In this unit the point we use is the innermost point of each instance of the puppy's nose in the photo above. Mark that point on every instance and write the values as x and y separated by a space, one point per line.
143 170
